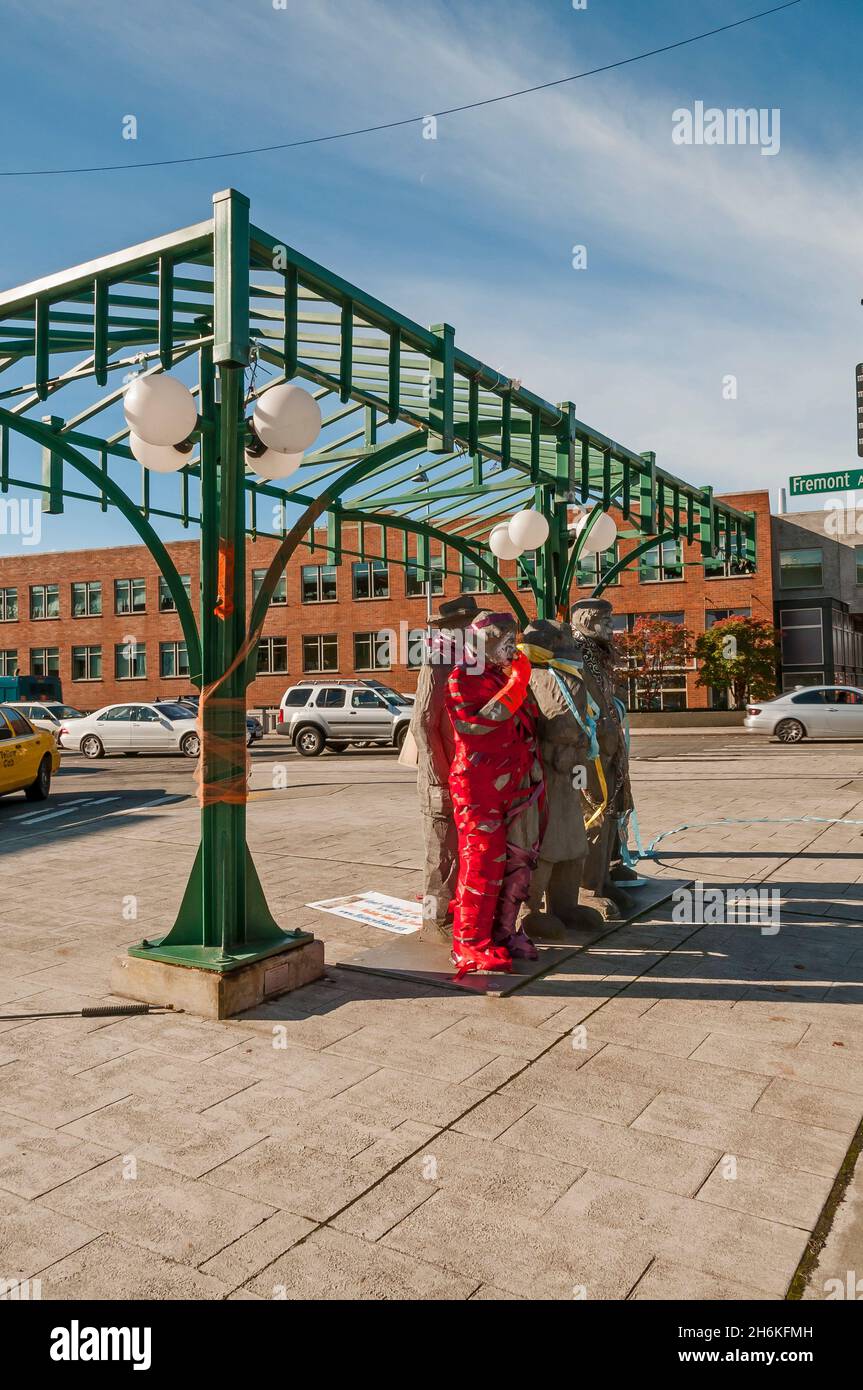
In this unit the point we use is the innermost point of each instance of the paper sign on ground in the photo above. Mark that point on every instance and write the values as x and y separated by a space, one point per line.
375 910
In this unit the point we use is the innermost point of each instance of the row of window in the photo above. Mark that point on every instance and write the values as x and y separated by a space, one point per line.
130 661
370 579
320 653
804 568
130 596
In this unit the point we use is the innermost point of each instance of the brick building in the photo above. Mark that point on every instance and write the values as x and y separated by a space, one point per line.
105 622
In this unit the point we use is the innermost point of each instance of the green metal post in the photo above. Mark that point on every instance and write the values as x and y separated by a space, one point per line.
224 921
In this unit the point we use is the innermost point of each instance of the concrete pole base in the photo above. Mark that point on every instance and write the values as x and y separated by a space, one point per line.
211 994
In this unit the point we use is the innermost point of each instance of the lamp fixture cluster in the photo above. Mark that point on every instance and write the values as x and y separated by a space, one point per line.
161 414
527 530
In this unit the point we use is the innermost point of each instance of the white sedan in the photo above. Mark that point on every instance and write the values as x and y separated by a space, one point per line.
817 711
162 728
47 715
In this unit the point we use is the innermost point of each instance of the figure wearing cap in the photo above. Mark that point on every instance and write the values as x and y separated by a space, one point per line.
567 747
495 779
606 804
433 734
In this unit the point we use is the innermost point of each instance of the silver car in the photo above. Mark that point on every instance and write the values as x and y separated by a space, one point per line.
133 728
50 716
333 714
818 711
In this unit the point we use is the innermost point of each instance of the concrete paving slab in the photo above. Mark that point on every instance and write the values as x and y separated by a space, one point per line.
161 1211
723 1243
335 1265
112 1270
770 1139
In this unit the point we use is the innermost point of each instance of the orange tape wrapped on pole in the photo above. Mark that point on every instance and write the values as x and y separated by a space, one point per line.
218 779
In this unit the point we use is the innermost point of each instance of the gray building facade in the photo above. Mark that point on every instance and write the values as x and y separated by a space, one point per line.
818 595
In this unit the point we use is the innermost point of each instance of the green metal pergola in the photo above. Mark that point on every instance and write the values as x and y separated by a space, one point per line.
420 439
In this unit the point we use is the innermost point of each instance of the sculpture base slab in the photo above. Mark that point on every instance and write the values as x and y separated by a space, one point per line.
428 962
214 994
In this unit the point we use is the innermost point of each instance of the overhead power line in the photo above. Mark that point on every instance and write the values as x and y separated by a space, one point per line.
405 121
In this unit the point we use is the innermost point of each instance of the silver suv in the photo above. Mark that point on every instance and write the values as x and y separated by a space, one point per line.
321 714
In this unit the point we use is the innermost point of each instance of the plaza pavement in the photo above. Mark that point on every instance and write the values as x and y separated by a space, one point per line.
663 1116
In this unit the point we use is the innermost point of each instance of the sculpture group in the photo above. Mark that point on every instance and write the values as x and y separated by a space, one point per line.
523 778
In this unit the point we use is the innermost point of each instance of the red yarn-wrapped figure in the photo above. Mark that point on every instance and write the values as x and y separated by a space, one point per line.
495 780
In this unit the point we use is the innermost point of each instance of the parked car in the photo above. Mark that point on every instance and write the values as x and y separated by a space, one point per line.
254 727
50 717
28 756
154 728
333 714
817 711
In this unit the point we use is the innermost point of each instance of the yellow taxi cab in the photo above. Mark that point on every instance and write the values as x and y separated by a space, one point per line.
28 756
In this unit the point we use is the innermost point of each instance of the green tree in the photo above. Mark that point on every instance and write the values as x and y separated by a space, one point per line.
739 655
652 649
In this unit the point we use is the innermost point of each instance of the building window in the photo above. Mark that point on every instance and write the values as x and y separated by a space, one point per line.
130 661
801 569
166 598
592 569
280 593
798 680
44 601
672 694
272 656
130 596
371 579
800 631
87 599
473 580
416 580
86 663
321 653
319 584
417 648
720 615
8 605
661 563
858 553
728 569
525 572
173 659
44 661
372 651
678 616
9 662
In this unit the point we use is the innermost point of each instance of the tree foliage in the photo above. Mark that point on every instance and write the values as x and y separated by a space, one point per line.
739 655
650 651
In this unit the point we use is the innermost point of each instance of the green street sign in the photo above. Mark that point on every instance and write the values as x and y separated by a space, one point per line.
847 480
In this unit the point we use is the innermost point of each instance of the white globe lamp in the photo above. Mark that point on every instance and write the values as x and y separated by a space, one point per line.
160 410
287 419
602 535
528 529
501 544
158 458
273 465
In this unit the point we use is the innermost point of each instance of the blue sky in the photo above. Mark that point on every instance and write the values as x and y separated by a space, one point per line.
703 262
